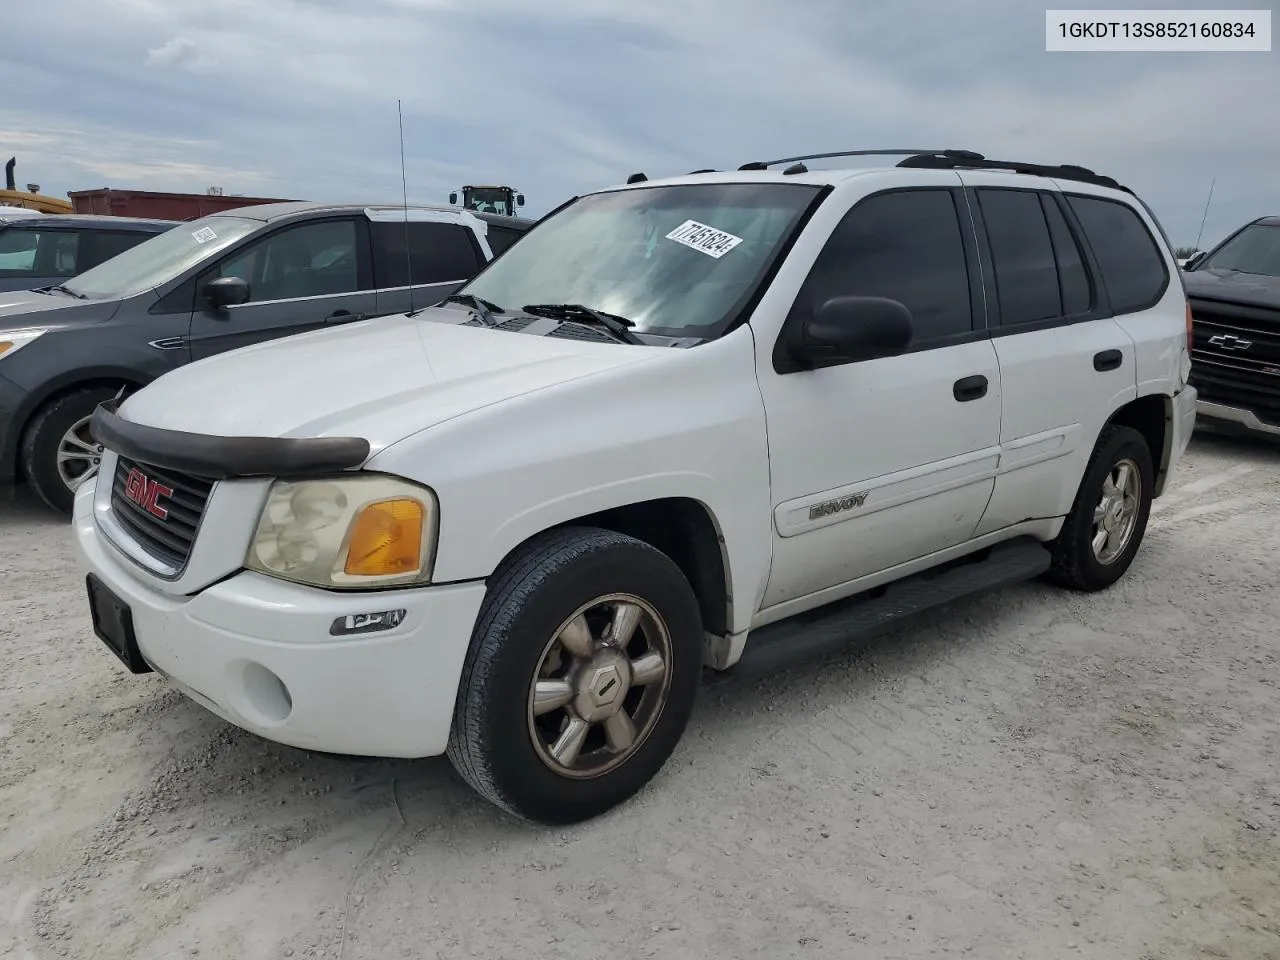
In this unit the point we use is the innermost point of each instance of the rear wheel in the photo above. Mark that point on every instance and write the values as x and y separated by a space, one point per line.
1104 529
58 452
580 677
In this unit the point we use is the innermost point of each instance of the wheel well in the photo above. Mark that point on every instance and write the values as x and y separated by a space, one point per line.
684 531
70 388
1150 416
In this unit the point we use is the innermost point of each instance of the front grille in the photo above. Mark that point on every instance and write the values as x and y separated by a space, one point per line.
1242 368
169 538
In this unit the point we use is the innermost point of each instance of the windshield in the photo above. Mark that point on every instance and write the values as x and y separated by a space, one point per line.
1255 249
488 200
160 259
677 261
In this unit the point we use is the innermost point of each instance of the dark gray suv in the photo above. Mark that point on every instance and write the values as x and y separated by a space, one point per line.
210 285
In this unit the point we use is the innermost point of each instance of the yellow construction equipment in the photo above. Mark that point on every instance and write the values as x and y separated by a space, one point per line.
31 198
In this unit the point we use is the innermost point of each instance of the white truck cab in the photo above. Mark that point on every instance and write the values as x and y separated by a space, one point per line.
516 526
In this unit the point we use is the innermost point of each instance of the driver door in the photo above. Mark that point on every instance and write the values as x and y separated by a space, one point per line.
301 277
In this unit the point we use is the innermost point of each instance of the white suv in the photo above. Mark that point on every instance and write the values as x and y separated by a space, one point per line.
676 415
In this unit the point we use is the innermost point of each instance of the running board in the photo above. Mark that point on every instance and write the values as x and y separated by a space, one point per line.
816 633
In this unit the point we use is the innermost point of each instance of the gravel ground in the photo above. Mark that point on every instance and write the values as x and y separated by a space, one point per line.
1030 774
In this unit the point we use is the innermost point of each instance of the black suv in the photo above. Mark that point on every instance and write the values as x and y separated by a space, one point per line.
224 281
43 250
1234 293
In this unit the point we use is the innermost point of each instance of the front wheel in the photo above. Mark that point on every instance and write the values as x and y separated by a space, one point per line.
580 677
1106 524
58 452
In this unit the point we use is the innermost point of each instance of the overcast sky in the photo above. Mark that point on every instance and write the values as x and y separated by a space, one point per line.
297 98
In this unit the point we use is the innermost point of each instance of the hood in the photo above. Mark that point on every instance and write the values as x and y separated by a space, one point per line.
382 379
1253 289
27 308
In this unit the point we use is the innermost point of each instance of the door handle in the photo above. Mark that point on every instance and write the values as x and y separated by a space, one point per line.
343 316
1107 360
970 388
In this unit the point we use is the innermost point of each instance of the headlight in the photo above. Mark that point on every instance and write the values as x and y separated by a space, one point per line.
358 531
15 340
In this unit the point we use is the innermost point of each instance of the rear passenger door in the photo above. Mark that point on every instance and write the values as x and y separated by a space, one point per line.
1065 364
302 276
440 256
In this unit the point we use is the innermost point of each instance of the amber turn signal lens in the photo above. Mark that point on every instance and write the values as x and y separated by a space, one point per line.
386 539
1189 326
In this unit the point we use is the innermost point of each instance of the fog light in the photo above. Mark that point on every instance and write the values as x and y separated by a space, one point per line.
366 623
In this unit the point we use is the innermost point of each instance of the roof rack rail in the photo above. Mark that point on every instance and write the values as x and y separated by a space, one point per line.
948 160
766 164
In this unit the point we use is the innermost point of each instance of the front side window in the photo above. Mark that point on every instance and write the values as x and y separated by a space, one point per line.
309 260
164 257
906 246
1255 249
675 260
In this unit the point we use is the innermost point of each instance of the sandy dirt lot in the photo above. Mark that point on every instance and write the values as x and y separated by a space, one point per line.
1030 774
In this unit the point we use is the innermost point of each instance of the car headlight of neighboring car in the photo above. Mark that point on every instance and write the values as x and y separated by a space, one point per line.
350 532
14 340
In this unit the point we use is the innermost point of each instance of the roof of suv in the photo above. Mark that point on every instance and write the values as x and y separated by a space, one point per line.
955 160
270 212
97 221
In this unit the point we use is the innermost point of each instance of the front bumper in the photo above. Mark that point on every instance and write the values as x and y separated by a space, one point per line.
257 652
1239 419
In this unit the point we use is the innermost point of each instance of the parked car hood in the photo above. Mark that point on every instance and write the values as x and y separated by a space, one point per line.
1253 289
27 308
381 379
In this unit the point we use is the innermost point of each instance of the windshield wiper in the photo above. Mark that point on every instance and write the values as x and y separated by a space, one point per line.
620 327
481 307
61 289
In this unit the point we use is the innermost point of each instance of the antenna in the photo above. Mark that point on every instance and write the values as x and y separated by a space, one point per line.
404 187
1206 213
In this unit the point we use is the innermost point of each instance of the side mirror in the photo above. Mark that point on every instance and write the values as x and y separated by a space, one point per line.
226 292
1193 261
453 198
519 199
845 329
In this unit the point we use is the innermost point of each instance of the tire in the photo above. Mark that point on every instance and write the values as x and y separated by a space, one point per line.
1076 563
44 436
497 743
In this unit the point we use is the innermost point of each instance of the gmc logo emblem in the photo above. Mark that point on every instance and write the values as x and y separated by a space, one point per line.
147 493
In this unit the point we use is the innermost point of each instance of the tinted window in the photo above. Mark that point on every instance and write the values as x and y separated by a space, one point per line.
106 244
38 253
501 237
309 260
1073 278
1021 255
905 246
440 252
58 255
1133 269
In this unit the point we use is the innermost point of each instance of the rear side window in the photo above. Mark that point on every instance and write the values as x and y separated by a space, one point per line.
438 253
1027 287
1133 269
1073 277
501 237
18 253
906 246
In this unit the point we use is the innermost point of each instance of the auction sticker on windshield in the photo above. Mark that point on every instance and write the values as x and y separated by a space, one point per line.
704 239
203 235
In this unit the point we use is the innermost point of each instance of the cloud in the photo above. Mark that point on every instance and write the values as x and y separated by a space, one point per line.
179 52
298 98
